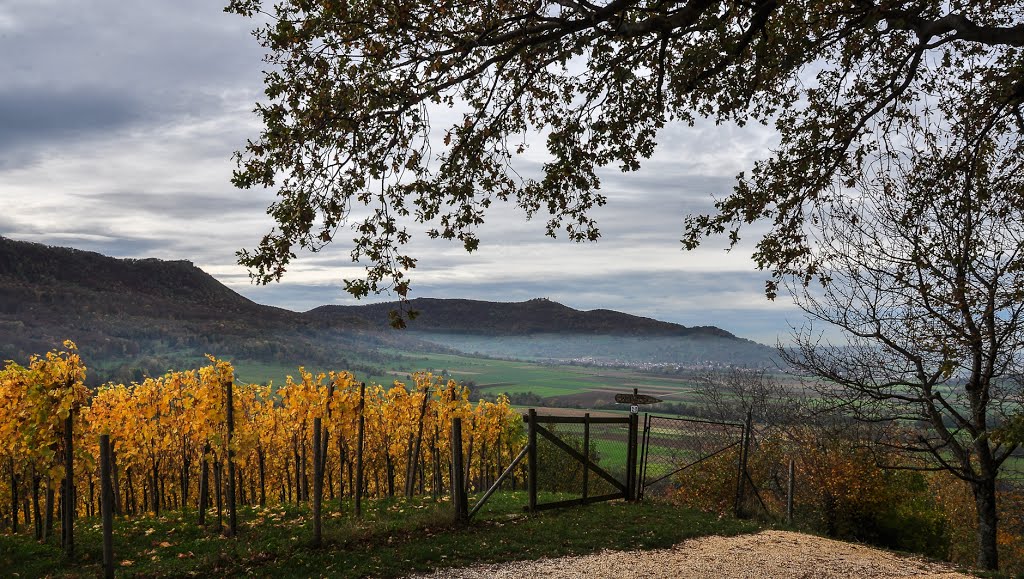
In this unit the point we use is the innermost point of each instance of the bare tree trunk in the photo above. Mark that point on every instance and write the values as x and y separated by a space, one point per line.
90 509
129 497
305 473
390 470
988 519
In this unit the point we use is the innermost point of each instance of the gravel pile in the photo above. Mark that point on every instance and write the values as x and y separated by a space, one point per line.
773 554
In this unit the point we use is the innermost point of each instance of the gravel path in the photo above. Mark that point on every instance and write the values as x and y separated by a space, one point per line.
781 554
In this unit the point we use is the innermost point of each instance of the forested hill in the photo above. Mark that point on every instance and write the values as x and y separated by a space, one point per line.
133 317
70 275
536 316
540 329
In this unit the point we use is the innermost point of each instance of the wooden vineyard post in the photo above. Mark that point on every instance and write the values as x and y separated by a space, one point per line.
459 500
232 514
325 438
68 501
359 450
261 457
414 447
318 485
107 506
790 487
14 497
204 485
532 459
586 455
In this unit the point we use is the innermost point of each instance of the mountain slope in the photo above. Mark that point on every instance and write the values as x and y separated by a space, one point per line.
132 317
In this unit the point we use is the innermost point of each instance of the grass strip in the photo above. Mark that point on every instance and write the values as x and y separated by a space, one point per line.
396 537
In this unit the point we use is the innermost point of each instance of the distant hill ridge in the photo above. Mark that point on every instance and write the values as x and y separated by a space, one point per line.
150 314
536 316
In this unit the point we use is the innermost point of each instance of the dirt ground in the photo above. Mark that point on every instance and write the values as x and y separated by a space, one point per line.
774 554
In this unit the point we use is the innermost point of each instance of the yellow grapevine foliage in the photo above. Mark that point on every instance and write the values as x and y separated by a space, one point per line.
165 428
35 401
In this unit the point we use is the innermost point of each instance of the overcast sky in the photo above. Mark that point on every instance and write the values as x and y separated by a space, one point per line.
117 125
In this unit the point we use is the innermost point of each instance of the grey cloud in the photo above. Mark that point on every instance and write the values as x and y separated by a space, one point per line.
85 68
31 116
182 205
180 45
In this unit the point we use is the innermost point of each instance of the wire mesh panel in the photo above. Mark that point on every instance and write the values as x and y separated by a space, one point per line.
674 445
557 470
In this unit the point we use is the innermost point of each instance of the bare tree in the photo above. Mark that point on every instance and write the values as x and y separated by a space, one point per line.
729 393
920 265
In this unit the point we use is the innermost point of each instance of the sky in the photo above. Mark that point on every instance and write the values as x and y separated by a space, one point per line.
118 121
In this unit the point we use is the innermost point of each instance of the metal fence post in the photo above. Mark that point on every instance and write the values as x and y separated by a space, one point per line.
790 487
644 442
741 479
631 458
586 455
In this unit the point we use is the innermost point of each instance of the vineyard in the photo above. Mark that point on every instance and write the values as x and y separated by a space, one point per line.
199 440
198 453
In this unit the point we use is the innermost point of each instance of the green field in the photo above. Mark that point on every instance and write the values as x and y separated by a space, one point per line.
561 385
495 376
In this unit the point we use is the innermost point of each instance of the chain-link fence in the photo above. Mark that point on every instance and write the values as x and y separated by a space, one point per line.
671 446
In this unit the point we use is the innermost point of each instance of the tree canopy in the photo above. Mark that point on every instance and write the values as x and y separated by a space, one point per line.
353 88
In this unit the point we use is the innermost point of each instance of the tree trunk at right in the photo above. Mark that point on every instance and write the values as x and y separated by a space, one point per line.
988 519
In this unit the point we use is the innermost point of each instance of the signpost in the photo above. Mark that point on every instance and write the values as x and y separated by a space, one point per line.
635 399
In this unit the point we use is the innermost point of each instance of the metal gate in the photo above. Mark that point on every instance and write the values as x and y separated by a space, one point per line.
571 445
